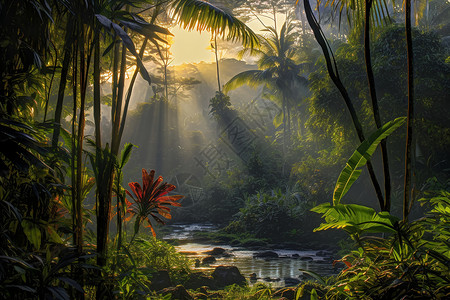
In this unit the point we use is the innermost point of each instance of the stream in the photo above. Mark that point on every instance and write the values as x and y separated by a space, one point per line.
280 272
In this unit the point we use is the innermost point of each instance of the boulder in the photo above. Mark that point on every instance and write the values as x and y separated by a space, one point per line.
199 280
197 263
286 293
188 253
306 258
268 279
179 292
266 254
289 281
227 275
217 251
208 260
160 280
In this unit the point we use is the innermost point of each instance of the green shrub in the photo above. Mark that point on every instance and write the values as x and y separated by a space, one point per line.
275 215
410 262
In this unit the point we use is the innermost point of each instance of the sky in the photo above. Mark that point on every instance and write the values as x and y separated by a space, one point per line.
194 47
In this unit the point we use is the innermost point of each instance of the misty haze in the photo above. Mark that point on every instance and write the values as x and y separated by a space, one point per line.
190 149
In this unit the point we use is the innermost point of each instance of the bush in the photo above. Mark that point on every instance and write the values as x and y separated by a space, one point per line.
411 262
275 215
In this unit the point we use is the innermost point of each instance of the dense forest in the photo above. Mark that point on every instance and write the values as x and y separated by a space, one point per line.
308 159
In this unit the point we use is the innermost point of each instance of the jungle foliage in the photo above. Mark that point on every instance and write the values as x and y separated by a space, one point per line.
70 228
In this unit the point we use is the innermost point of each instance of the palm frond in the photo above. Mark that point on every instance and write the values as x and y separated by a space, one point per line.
252 78
202 15
354 10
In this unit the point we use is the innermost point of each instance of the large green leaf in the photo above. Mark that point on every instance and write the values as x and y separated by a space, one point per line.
125 154
360 157
354 218
278 120
33 233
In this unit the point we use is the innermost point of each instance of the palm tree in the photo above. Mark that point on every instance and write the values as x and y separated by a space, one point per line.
191 14
86 23
278 71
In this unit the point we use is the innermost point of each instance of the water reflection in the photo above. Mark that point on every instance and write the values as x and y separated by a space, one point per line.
274 270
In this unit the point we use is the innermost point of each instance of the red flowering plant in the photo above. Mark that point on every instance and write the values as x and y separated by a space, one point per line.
151 201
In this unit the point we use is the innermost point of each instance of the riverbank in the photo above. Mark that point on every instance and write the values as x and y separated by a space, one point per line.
258 260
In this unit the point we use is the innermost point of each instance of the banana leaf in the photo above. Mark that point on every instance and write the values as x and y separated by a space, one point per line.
359 158
355 219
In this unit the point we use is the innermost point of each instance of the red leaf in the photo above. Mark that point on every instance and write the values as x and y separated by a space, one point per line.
347 263
164 214
152 199
136 188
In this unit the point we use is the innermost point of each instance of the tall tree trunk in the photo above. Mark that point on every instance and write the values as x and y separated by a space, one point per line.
376 111
63 80
217 64
79 169
334 75
129 91
74 145
85 58
410 117
97 95
283 109
106 191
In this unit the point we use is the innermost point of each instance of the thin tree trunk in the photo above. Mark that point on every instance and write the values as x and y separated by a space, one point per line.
283 108
129 91
115 144
217 63
79 169
376 112
97 96
85 58
74 146
410 117
51 82
105 194
166 64
334 75
63 81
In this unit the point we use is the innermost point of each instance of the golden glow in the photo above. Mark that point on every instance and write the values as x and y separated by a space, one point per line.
194 47
190 46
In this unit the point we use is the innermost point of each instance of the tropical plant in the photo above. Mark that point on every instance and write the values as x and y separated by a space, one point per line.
405 261
338 215
273 215
334 75
220 107
278 72
43 278
360 157
120 192
151 201
410 261
117 20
